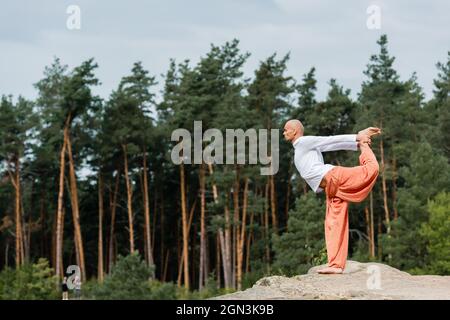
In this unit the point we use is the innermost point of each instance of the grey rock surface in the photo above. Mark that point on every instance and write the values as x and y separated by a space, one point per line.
359 281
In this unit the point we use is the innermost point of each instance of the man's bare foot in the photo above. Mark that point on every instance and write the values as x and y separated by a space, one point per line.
371 131
364 136
330 270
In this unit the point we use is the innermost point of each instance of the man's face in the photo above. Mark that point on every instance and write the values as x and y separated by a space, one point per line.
288 133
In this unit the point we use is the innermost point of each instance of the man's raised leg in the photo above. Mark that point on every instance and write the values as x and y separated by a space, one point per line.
355 183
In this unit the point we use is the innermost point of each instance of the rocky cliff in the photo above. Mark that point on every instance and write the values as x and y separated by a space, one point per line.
359 281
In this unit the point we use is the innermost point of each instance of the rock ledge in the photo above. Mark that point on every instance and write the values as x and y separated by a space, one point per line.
359 281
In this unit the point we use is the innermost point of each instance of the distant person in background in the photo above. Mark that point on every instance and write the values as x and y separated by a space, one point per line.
65 289
77 287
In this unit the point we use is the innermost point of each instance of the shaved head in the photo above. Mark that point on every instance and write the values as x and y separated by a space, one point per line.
295 124
293 129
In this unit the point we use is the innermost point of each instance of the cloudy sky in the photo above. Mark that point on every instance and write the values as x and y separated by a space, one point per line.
329 35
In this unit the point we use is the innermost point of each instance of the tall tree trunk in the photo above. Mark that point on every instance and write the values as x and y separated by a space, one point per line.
184 228
77 252
100 269
23 237
288 194
161 209
372 227
241 238
380 222
75 211
24 243
236 232
228 246
6 253
15 180
273 205
218 248
129 198
206 257
223 250
203 272
383 183
394 188
42 218
266 224
166 264
221 237
53 242
367 220
113 222
59 213
27 228
62 237
155 215
249 238
368 230
193 256
148 240
180 254
191 216
145 226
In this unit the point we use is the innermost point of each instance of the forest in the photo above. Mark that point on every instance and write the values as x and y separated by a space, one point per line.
89 181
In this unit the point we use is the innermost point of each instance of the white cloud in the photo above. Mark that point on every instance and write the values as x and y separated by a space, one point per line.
330 35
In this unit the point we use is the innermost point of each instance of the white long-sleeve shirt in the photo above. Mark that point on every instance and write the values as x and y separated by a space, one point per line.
308 157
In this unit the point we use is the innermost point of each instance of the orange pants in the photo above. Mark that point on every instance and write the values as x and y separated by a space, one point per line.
346 185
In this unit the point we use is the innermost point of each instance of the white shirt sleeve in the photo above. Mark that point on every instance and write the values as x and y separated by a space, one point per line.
353 146
330 143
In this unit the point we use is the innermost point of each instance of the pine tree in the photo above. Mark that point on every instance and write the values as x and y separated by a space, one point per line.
16 120
437 109
65 98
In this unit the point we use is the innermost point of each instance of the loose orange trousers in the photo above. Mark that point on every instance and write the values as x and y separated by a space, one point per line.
346 185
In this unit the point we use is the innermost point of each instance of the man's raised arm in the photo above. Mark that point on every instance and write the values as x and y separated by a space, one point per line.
351 146
339 142
330 143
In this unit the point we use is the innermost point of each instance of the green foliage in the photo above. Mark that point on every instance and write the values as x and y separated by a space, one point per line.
250 278
321 257
268 93
29 282
162 290
427 174
361 252
436 231
307 90
380 69
129 280
302 245
209 290
15 120
438 110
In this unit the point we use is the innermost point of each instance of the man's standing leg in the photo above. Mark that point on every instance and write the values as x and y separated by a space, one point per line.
345 185
336 232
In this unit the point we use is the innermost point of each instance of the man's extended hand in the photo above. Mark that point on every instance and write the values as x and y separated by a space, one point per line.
364 136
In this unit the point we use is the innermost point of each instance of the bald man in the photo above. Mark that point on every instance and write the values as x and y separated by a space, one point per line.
341 184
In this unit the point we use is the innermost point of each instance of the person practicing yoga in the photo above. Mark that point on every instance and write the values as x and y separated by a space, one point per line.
341 184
